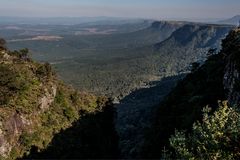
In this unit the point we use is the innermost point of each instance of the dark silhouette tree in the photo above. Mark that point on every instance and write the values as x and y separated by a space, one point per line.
211 51
24 53
194 66
2 44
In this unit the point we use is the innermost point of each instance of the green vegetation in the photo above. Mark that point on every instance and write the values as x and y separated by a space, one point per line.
116 64
183 106
92 136
216 137
213 135
43 118
35 106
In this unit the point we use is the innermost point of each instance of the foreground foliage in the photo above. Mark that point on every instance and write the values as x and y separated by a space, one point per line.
217 137
183 106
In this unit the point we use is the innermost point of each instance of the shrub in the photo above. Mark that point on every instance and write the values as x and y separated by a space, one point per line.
44 70
217 137
70 113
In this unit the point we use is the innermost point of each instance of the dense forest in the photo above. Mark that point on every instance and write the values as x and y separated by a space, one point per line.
42 117
118 63
203 110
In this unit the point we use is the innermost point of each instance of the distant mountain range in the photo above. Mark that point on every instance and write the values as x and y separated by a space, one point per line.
232 21
67 20
105 20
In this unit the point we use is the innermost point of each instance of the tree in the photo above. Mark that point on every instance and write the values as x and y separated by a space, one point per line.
2 44
194 66
211 51
24 53
45 70
217 137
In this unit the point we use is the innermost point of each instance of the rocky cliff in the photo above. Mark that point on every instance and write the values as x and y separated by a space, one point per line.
231 51
35 106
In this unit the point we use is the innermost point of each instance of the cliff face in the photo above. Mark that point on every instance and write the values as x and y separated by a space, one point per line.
217 79
197 36
35 106
15 123
190 43
165 28
231 49
25 95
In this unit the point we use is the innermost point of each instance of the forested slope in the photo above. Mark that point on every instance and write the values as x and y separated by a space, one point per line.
35 107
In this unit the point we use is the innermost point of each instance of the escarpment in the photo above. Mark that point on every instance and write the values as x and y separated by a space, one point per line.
35 106
231 51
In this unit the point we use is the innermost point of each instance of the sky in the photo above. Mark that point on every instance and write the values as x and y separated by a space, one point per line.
156 9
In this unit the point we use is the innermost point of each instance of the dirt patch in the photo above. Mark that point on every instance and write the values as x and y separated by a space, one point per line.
38 38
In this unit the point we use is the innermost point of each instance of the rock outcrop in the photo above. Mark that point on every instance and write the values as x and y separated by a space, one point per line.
231 51
15 119
35 105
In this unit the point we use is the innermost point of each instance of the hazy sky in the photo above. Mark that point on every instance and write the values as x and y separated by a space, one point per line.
202 9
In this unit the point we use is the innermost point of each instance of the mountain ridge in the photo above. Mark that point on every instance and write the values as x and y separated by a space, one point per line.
232 21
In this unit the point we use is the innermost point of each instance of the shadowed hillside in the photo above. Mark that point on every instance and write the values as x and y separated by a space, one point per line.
134 114
217 79
93 136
